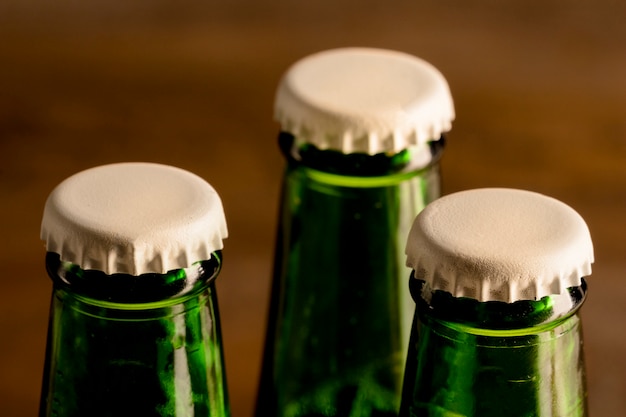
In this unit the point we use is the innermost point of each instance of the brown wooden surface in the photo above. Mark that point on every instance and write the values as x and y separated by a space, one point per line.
540 93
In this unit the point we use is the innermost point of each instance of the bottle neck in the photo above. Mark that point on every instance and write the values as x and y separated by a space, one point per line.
340 314
124 291
412 159
488 359
134 345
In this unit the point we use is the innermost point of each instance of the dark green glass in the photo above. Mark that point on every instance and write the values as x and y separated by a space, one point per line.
486 359
123 345
341 312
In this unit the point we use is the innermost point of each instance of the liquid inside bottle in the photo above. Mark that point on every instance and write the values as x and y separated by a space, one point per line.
481 359
123 345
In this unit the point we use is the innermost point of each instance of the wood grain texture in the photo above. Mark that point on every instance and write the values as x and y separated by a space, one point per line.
540 93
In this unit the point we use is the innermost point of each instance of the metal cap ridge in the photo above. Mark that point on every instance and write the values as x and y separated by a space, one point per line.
499 244
364 100
133 218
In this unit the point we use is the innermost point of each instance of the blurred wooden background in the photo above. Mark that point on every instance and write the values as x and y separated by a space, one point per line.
540 93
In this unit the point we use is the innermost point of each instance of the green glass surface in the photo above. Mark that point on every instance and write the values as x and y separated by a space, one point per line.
341 312
486 359
122 345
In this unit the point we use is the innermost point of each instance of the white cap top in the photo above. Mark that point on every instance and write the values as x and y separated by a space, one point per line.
133 218
364 100
498 244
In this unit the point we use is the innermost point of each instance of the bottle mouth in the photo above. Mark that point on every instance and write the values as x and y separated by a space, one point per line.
474 315
132 291
413 158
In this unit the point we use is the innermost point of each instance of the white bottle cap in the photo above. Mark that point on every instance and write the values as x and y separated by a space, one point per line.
364 100
133 218
497 244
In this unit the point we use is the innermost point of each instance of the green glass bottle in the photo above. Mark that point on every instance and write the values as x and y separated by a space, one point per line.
498 282
133 252
340 311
